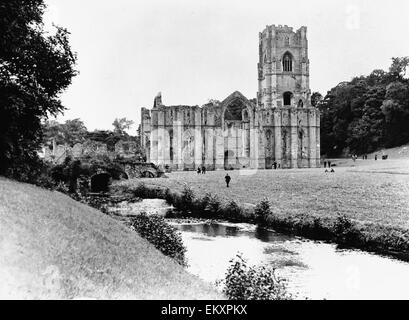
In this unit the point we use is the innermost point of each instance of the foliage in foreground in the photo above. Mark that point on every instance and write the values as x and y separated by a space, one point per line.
163 236
243 282
35 68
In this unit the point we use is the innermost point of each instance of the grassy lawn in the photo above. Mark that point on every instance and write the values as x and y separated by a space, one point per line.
52 247
366 191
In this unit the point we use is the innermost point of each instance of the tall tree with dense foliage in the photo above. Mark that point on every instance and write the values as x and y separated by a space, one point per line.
121 125
367 113
35 68
68 133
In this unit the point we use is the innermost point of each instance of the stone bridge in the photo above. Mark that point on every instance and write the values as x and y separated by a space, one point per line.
135 169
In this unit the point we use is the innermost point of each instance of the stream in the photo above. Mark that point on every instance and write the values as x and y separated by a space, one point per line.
313 269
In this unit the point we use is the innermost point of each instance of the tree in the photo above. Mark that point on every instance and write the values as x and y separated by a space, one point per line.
35 68
68 133
398 68
316 98
367 113
121 125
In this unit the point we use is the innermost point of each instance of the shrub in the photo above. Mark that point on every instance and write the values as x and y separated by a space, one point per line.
169 196
213 205
201 205
243 282
142 191
345 230
262 212
163 236
232 211
186 200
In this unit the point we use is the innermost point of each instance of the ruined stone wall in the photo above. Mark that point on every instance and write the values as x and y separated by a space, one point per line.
184 138
281 128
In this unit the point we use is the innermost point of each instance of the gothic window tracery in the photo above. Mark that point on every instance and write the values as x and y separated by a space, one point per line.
287 63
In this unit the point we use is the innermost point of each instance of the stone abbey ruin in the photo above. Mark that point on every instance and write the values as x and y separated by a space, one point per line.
280 127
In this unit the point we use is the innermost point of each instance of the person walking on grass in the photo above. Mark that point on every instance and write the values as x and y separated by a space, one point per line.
199 171
228 179
203 170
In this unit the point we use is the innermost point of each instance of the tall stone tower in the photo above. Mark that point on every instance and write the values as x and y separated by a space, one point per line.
283 69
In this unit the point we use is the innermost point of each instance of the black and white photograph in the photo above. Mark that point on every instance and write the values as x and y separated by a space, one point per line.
209 150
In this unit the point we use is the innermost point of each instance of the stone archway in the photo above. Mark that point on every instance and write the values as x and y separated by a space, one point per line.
100 182
237 123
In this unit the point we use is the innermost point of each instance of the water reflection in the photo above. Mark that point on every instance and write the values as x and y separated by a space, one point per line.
314 269
215 229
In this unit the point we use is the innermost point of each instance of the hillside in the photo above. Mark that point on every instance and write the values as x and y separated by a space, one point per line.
401 152
52 247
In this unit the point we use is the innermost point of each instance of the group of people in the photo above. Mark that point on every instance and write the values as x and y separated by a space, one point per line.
327 162
201 170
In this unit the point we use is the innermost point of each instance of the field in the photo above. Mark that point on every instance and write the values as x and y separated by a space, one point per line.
366 191
52 247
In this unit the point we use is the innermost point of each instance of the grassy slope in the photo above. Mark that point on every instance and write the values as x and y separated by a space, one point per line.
366 191
54 247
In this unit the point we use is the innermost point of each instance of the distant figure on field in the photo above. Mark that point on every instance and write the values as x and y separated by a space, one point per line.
275 165
203 170
329 164
228 179
376 157
325 164
199 171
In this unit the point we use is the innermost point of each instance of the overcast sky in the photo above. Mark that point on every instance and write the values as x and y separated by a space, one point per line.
196 50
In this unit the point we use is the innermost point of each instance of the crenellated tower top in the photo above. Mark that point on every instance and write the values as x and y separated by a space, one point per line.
283 68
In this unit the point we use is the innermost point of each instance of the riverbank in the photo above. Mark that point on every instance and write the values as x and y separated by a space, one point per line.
52 247
364 207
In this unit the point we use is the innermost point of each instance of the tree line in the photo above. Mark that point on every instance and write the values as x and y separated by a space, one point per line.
74 131
366 113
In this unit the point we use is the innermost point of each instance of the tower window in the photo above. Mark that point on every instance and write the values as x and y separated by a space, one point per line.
287 98
286 41
287 63
300 104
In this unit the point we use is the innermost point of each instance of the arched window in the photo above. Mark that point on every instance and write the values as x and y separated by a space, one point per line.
287 98
171 145
300 104
287 63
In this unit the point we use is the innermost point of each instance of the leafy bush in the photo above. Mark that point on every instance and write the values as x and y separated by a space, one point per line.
163 236
243 282
232 211
186 201
142 191
345 230
263 211
214 206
